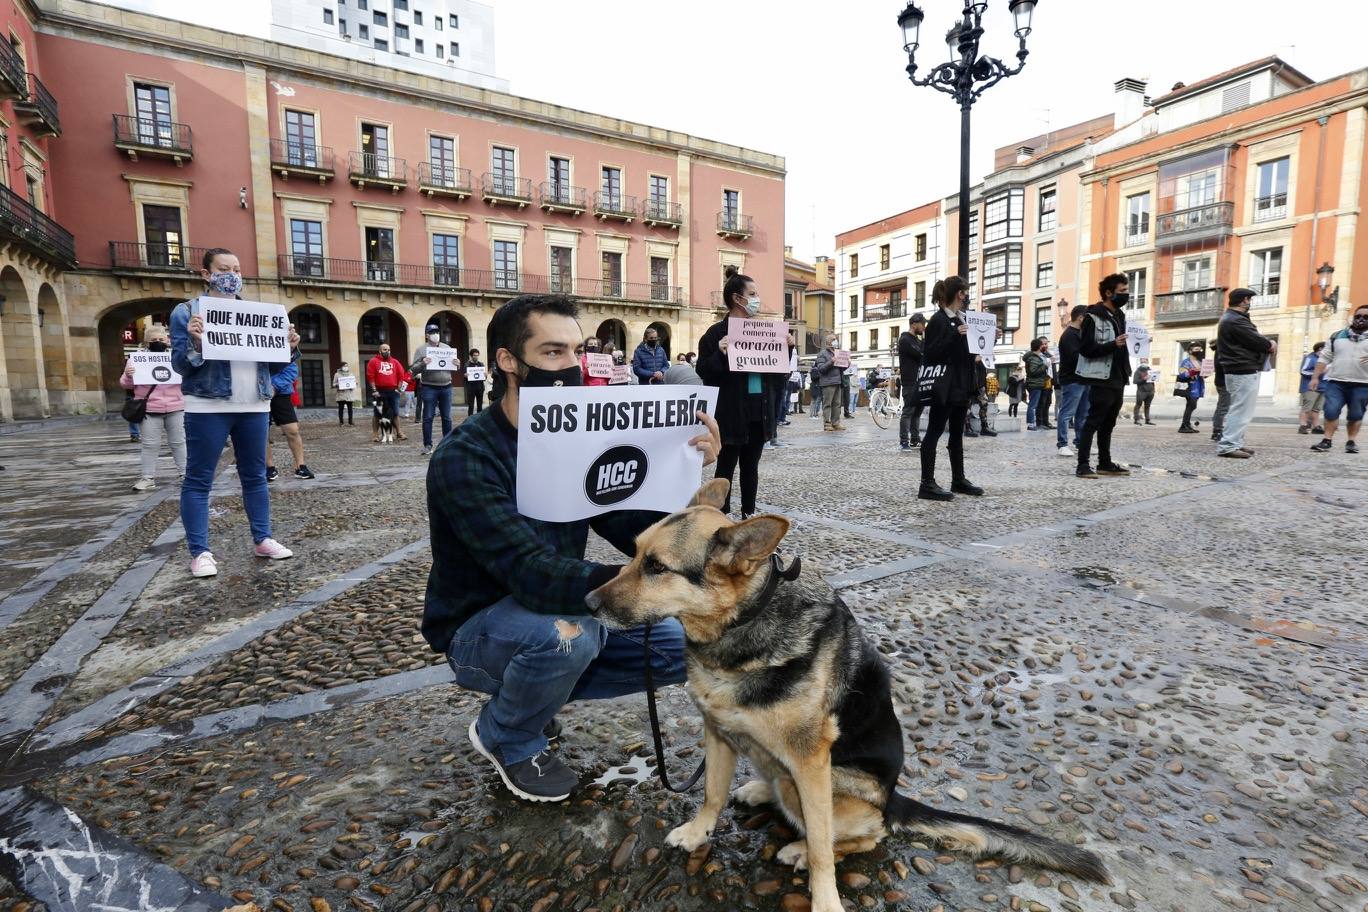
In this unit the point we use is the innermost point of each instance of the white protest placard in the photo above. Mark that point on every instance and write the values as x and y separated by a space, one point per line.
982 332
757 346
1208 366
621 373
842 358
346 383
599 364
475 374
152 367
587 450
884 373
1138 340
243 330
441 358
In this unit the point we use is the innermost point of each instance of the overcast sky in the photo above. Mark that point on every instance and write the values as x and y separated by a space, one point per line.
823 84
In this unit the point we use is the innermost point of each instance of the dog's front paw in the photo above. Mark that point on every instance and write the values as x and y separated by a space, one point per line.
795 853
754 793
688 837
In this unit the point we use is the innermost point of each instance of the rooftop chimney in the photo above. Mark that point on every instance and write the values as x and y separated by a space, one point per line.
788 251
1130 100
1024 153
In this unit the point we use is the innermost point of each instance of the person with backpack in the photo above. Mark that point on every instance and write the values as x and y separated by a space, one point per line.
1343 370
163 409
1037 374
1104 366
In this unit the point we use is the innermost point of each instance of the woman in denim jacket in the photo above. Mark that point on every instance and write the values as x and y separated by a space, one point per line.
223 400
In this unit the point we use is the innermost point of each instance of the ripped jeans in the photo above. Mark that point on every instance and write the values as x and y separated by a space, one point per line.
533 664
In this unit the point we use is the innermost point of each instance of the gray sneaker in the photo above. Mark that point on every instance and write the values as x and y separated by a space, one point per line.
540 778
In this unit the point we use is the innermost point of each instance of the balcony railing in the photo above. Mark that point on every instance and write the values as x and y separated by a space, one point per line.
131 256
152 136
558 197
615 206
1267 295
502 189
1198 305
38 109
1212 220
307 268
444 180
732 224
23 223
663 213
290 157
381 170
1270 208
1138 237
12 71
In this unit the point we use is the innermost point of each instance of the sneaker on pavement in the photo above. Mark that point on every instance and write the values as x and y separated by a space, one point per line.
144 484
1248 450
905 446
1325 446
271 473
203 565
1066 450
1304 429
1147 421
1112 468
988 433
1350 446
303 472
1085 471
1318 430
427 451
551 731
269 547
539 778
1234 454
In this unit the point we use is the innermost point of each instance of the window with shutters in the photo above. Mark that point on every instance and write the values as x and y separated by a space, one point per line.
1236 96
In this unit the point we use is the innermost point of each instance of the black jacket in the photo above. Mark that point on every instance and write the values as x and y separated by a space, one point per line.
732 408
1239 347
944 345
909 357
1069 342
1089 346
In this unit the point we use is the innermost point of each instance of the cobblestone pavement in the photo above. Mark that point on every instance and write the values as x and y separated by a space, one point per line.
1170 668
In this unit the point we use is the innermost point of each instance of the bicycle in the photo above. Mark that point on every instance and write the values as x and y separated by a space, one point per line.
884 408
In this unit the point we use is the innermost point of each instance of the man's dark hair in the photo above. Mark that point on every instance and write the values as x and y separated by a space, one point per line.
914 319
208 259
1078 311
472 352
509 328
1317 347
1110 283
1035 345
1360 307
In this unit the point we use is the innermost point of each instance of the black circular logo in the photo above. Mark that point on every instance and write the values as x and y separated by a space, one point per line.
161 373
615 476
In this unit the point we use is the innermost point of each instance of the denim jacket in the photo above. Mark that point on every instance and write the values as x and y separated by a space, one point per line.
209 379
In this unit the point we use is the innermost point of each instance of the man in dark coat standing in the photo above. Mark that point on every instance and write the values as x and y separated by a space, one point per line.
909 365
1104 365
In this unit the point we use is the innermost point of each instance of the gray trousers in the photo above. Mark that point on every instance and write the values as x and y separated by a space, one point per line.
152 426
1222 406
833 404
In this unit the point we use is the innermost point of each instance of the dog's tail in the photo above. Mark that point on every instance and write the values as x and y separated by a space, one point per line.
980 837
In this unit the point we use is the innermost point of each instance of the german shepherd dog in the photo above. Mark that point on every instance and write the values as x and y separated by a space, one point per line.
384 419
783 675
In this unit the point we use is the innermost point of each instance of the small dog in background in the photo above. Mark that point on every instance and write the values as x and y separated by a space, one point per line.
382 420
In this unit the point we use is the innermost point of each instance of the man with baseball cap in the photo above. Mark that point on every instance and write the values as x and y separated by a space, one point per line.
436 388
1240 354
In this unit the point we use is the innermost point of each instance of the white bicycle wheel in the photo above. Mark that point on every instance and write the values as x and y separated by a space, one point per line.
879 409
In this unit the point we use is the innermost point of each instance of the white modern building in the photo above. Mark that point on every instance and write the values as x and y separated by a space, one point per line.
446 39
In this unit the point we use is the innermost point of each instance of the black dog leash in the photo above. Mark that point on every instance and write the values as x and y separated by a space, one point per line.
780 573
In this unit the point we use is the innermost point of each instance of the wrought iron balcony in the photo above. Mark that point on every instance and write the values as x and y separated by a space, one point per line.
558 197
367 168
1267 296
1213 220
132 256
1137 236
151 136
38 109
662 214
1198 305
732 224
12 72
23 223
503 190
301 159
444 180
1270 208
615 206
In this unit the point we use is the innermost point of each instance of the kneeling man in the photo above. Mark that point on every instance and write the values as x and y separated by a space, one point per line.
505 597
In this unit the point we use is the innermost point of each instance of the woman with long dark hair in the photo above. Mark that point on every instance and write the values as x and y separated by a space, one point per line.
947 344
745 401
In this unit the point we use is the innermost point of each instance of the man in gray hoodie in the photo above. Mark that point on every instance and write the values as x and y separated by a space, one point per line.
436 386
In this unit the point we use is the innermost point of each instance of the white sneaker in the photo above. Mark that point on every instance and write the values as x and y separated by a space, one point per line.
1065 450
203 565
144 484
269 547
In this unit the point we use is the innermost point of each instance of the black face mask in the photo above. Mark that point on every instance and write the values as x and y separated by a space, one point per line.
537 376
652 343
156 346
1121 299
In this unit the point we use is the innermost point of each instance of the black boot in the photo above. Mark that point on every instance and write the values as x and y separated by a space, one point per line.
929 490
965 486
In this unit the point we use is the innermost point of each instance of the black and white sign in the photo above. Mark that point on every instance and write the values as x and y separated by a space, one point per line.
983 329
1138 340
243 330
475 374
583 451
757 346
441 358
346 383
152 367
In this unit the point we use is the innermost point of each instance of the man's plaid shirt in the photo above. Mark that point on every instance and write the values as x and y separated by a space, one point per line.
484 550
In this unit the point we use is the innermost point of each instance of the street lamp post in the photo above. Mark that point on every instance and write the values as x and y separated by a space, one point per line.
965 77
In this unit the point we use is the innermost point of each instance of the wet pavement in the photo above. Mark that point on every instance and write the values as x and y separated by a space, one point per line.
1170 668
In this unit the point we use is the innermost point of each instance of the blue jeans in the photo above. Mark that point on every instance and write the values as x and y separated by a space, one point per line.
1338 395
520 659
205 436
1073 404
436 397
1244 396
135 430
1032 403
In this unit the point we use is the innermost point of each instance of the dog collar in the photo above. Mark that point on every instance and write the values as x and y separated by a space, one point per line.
778 574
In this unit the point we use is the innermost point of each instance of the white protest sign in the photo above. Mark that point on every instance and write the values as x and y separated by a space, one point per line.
599 364
243 330
621 374
1138 340
475 374
884 373
757 346
587 450
842 358
982 334
152 367
346 383
1208 366
441 358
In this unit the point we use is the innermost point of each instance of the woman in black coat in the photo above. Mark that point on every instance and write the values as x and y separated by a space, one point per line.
947 344
745 401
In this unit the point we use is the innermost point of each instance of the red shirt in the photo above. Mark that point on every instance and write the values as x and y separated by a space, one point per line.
385 375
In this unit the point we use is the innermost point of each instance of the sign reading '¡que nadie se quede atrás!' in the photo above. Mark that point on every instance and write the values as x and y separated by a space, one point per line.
152 367
757 346
243 330
583 451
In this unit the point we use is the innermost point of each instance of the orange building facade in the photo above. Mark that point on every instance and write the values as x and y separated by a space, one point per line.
370 201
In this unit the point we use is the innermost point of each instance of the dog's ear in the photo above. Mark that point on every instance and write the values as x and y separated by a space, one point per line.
749 542
712 494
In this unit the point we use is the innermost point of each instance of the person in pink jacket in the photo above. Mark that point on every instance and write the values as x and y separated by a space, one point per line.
591 347
165 412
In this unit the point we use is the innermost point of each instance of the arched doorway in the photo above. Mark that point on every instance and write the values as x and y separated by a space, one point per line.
121 331
663 330
23 357
614 331
320 353
56 359
454 330
378 326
